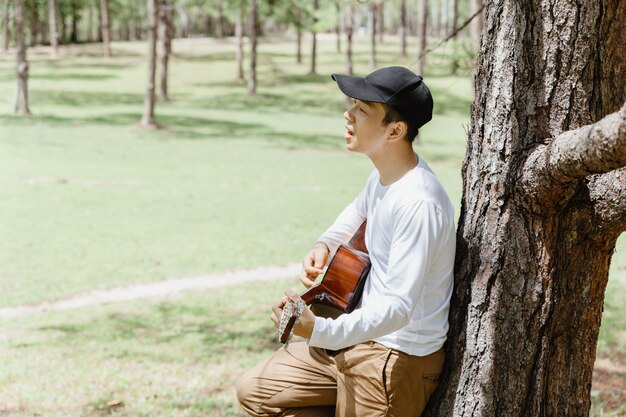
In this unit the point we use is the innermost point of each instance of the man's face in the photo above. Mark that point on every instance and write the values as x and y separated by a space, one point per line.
365 132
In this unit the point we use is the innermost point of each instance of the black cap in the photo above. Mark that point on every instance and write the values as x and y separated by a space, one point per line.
397 87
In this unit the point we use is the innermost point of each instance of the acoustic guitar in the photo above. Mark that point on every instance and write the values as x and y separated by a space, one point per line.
340 289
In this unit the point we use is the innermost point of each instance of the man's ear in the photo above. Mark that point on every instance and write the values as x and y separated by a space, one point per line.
398 131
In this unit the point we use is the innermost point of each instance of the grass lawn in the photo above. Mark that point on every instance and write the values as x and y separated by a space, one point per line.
90 201
231 182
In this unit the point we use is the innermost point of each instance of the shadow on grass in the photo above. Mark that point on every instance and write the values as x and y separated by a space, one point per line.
85 98
190 127
198 327
73 76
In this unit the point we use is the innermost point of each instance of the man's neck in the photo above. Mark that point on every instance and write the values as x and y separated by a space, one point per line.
394 163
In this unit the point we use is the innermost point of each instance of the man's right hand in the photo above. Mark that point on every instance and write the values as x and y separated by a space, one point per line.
313 264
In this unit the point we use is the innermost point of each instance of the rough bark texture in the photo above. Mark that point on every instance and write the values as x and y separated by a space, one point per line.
531 272
21 102
254 26
106 28
148 119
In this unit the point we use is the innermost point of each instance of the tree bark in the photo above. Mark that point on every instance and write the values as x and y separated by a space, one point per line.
313 70
349 32
165 41
423 32
75 17
530 273
373 13
90 21
254 26
402 28
239 35
148 119
99 14
5 25
33 20
106 28
219 21
299 34
21 103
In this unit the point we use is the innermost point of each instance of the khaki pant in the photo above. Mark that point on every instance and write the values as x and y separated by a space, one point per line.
365 380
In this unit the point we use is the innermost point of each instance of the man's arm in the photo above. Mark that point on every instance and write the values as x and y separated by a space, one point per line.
417 228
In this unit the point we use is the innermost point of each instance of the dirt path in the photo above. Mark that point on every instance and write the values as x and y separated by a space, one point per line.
156 289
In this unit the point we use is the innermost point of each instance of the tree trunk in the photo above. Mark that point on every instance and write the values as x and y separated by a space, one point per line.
5 25
299 34
373 13
54 34
316 6
164 14
349 31
219 22
106 28
99 28
402 27
476 26
90 18
544 201
33 20
338 27
423 32
239 34
254 26
75 17
132 21
148 119
62 18
21 103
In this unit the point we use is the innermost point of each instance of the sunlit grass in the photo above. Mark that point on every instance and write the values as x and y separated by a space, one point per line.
91 201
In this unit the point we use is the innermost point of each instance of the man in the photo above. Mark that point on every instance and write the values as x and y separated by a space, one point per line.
391 346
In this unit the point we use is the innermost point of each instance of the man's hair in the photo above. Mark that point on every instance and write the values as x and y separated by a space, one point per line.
393 116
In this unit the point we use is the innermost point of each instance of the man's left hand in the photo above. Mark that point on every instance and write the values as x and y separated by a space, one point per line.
304 327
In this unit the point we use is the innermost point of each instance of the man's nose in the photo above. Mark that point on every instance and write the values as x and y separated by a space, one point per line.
348 114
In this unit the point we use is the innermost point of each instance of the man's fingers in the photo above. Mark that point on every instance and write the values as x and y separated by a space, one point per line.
319 261
312 271
276 313
305 280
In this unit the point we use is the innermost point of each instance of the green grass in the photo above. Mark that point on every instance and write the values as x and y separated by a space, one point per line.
91 201
178 357
231 182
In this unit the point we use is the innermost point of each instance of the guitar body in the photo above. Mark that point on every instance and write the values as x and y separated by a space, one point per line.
341 287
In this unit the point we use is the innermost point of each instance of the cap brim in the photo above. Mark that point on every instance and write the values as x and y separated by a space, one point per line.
357 87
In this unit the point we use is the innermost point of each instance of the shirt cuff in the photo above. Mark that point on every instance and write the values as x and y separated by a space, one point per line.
317 336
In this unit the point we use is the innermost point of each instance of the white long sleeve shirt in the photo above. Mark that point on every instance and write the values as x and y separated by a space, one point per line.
410 237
